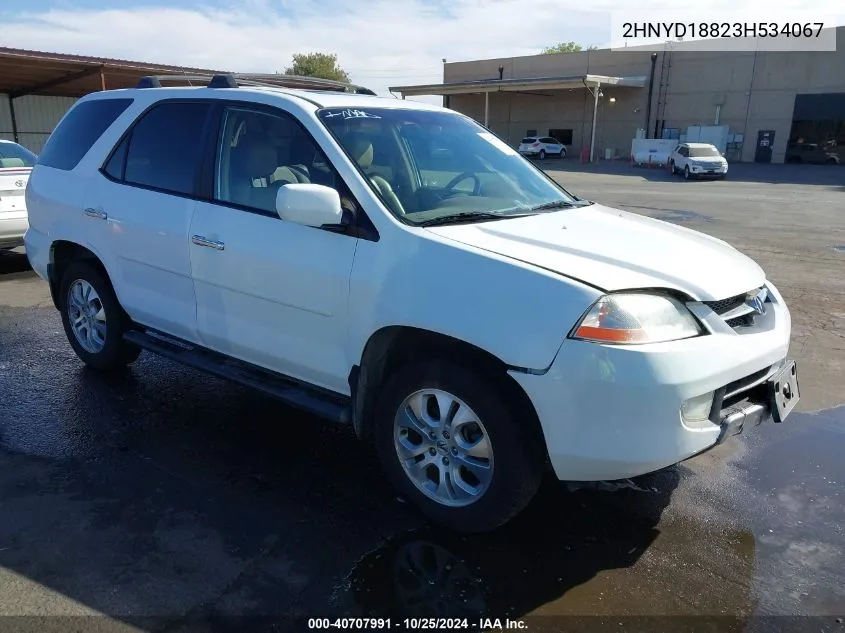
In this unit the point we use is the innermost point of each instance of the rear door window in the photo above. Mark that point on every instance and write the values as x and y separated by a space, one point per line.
165 146
78 130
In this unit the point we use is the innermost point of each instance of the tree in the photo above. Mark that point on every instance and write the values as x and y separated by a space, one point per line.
566 47
322 65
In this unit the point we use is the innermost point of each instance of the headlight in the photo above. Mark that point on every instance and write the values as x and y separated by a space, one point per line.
630 318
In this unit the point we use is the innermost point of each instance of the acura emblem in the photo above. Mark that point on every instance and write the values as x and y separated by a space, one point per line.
757 301
20 183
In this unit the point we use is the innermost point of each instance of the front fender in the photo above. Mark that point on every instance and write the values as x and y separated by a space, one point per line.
514 311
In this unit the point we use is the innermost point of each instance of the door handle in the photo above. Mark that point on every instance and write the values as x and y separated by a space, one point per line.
199 240
94 213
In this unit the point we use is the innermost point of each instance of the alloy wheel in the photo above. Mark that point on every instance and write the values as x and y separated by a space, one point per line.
443 447
87 316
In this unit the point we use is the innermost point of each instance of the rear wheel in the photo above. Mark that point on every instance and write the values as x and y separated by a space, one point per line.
563 152
93 320
452 445
687 174
542 154
672 166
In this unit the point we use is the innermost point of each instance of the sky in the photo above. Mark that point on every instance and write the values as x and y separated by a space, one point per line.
380 43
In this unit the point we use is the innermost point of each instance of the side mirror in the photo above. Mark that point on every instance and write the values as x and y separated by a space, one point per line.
309 204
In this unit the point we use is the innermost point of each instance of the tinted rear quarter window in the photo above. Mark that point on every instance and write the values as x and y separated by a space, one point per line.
79 130
165 147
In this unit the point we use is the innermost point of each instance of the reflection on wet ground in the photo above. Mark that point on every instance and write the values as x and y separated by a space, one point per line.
168 494
671 215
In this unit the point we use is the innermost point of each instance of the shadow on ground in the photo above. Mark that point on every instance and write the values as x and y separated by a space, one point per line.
13 261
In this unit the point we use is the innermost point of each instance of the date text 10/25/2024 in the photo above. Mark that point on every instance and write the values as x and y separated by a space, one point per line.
417 624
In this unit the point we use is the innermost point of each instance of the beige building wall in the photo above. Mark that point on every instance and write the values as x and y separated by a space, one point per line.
747 91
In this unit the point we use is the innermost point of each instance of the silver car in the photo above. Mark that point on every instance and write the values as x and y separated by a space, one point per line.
16 163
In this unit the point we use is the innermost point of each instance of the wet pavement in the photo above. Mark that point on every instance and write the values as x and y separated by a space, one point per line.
168 500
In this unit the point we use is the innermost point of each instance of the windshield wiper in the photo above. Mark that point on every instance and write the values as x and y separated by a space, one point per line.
468 216
560 204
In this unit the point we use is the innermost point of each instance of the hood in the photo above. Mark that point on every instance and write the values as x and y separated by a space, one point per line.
708 159
616 250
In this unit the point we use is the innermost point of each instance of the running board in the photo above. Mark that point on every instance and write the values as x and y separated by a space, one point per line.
334 407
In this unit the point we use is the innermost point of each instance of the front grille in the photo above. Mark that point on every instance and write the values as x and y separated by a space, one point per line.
726 305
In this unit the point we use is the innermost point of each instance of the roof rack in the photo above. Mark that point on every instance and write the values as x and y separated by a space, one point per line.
234 80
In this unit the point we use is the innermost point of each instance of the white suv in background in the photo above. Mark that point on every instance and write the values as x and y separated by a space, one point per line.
698 160
541 146
394 266
15 166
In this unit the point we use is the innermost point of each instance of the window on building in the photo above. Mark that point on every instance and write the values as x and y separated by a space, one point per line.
531 133
563 136
165 147
79 130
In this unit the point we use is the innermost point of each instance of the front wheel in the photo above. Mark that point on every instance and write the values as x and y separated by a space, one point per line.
93 320
563 153
687 174
452 445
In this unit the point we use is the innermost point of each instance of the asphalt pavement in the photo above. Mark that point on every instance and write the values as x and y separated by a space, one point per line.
163 499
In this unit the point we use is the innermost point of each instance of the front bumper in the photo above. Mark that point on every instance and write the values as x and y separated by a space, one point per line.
612 412
712 171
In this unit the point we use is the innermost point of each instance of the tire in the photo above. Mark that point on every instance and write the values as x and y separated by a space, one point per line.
687 174
674 169
562 153
542 154
104 350
516 451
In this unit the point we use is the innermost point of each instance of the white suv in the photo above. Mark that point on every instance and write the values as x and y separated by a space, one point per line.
393 265
15 166
541 146
698 160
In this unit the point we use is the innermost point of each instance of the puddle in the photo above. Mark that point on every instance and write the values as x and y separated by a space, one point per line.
680 215
767 520
672 215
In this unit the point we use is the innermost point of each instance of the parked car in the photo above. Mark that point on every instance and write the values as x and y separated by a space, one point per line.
15 166
541 146
479 331
812 153
698 160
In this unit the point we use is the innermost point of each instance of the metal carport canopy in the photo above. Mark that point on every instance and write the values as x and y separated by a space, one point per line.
25 72
515 85
593 83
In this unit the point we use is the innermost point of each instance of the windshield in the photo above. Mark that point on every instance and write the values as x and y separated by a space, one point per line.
428 165
703 152
14 155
